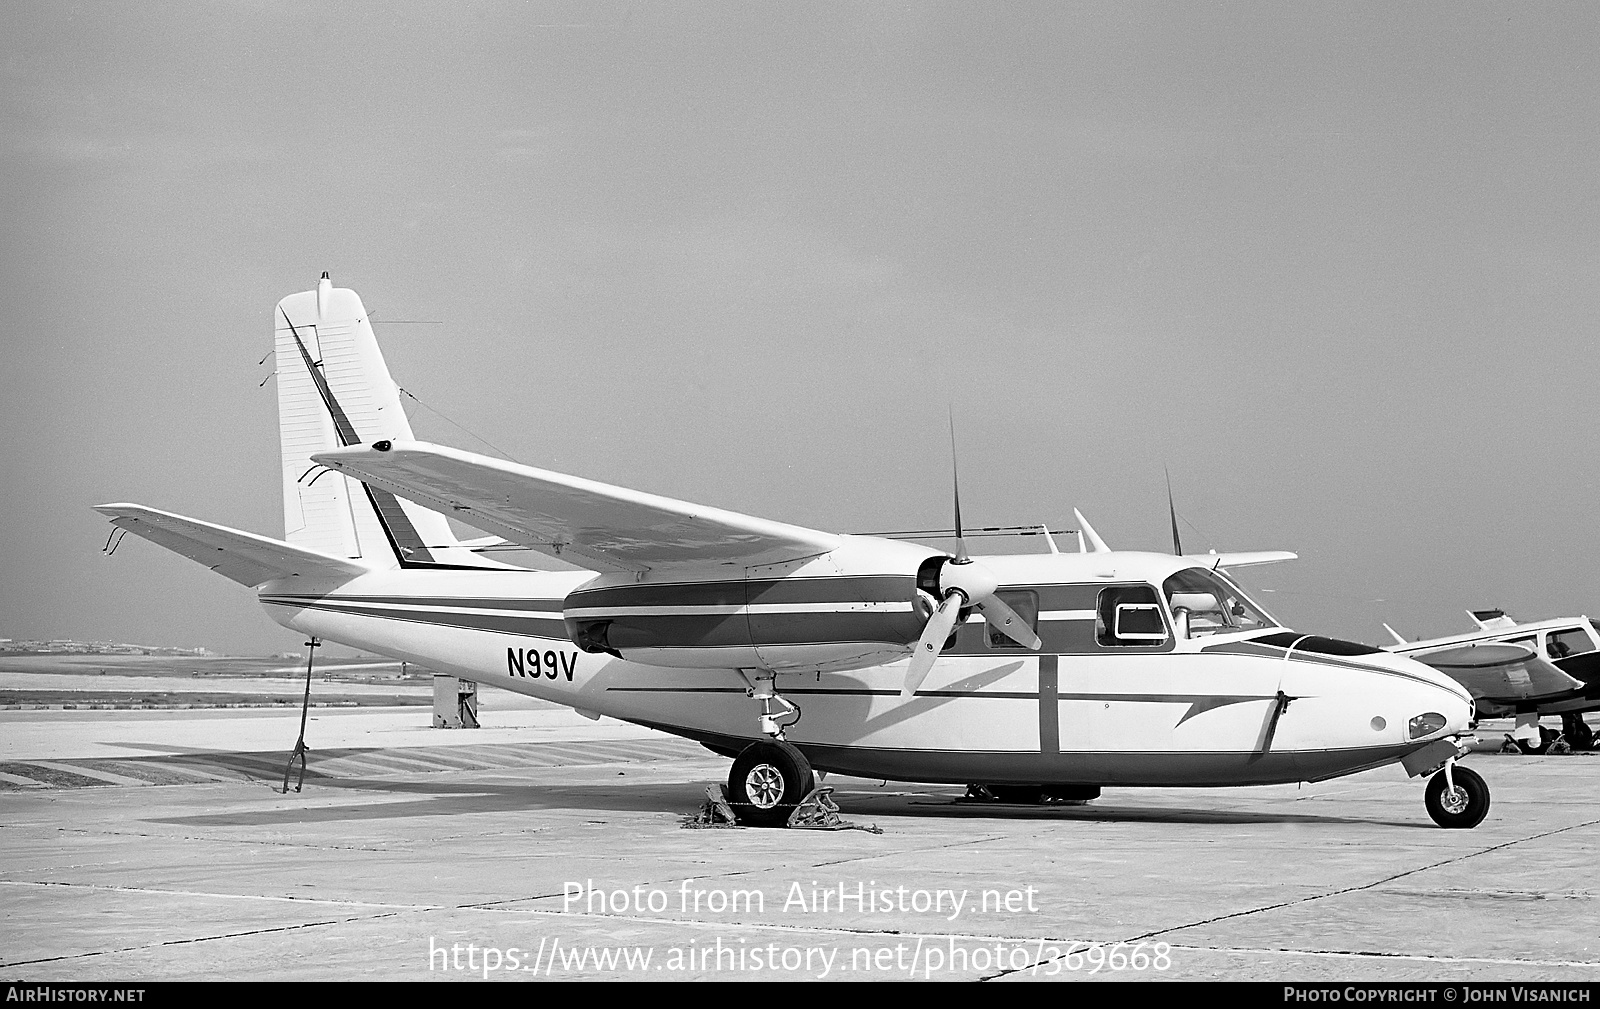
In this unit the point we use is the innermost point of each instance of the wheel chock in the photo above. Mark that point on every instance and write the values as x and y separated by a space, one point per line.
818 811
714 812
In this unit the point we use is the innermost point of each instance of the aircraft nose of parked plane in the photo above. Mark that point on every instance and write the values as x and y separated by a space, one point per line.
1443 706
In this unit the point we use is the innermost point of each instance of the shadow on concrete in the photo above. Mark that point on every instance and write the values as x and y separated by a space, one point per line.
1095 812
460 798
455 798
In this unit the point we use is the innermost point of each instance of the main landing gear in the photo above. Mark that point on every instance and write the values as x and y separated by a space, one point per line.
1457 797
770 779
1577 732
1575 736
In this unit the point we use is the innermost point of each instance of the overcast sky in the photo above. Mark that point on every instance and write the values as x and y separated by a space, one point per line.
1333 265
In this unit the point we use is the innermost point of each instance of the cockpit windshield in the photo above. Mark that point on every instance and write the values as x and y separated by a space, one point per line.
1204 602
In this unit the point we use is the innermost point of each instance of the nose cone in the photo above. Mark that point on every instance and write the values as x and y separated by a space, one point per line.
1434 705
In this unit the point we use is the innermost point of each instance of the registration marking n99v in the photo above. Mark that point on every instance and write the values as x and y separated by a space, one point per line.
531 662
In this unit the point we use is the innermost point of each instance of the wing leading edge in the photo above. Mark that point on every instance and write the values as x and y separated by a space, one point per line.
1243 558
583 521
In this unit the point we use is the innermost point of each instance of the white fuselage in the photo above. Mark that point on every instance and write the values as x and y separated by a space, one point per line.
1219 709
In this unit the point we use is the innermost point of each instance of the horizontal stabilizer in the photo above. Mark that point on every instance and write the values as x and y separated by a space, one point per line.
1243 559
583 521
244 557
1492 620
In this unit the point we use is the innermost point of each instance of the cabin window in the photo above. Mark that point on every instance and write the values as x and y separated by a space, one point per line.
1129 615
1026 605
1203 602
1564 643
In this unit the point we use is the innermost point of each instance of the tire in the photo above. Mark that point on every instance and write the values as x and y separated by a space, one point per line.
1464 811
767 782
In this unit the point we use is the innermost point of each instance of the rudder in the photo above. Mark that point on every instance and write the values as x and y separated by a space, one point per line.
334 389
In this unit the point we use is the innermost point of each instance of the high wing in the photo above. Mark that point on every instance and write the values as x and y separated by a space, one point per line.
244 557
1243 559
1499 671
601 526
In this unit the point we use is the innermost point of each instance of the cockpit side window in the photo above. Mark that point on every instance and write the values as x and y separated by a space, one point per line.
1567 642
1129 615
1204 602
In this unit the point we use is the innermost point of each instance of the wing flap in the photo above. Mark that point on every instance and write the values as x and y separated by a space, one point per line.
599 525
243 557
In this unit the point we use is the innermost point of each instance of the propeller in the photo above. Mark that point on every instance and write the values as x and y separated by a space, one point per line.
962 583
1172 513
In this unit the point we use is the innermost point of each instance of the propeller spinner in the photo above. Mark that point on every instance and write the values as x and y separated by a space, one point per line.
961 582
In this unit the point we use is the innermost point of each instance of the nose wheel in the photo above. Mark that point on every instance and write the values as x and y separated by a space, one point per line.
1457 798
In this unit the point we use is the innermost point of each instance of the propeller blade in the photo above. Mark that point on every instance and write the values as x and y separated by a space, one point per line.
932 641
1172 513
1005 620
955 485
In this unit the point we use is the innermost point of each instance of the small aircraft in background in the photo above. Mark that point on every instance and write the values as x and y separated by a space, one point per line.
1523 670
789 649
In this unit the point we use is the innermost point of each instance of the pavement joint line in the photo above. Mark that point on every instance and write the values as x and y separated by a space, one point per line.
196 939
1382 955
1352 889
935 847
745 872
396 908
222 840
989 937
497 905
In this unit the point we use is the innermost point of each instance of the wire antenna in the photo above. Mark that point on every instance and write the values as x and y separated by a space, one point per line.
502 453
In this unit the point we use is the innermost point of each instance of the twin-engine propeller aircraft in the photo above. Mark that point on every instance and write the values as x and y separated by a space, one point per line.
787 648
1523 670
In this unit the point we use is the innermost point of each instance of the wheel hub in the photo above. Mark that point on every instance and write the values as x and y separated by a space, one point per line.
764 786
1454 800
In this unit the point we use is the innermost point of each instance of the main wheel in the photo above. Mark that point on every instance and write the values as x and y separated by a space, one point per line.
767 781
1462 807
1577 731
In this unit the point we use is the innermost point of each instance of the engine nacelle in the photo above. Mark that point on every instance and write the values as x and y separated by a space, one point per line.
824 613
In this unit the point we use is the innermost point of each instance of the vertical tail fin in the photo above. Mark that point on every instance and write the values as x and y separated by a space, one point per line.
334 389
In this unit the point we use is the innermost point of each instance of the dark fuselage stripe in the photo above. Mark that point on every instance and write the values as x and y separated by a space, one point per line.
527 625
1049 706
552 606
743 592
